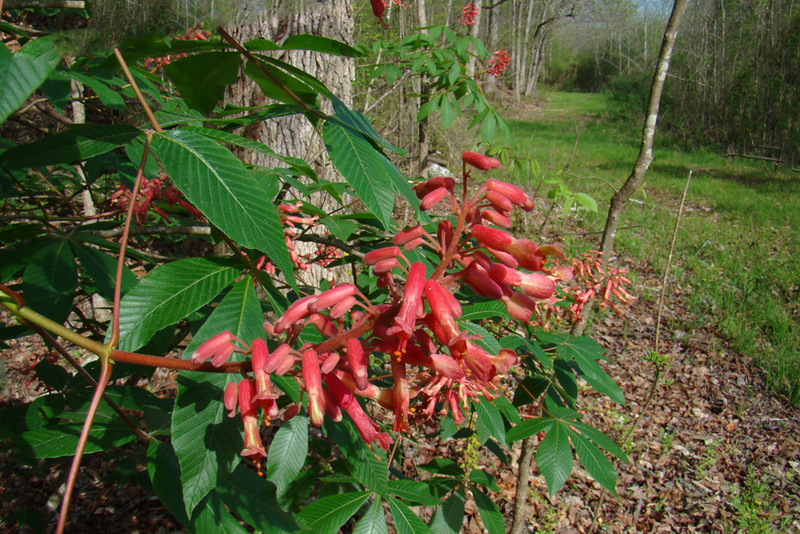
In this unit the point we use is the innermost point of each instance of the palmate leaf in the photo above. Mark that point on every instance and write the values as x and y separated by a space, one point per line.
413 491
217 182
328 514
206 441
169 293
594 461
24 71
201 79
489 423
79 143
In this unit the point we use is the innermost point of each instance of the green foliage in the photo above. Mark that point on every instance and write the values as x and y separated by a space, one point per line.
178 302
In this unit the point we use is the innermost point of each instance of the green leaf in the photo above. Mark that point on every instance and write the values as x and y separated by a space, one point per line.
328 514
61 439
206 441
165 476
23 72
488 126
443 466
586 201
594 461
483 310
211 517
413 491
79 143
370 470
601 440
364 168
51 375
102 268
486 340
406 521
554 458
305 41
508 410
528 428
449 517
373 521
490 514
285 82
480 477
529 390
109 98
454 73
217 183
255 500
288 452
202 78
489 423
169 293
237 140
50 280
448 113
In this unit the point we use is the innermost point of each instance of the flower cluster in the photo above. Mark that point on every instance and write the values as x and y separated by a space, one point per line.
593 278
192 34
499 63
410 327
150 191
468 15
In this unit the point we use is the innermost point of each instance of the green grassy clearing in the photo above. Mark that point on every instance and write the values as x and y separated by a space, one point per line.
737 263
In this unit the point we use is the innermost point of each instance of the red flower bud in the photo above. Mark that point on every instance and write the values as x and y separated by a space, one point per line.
385 266
331 297
358 362
433 198
278 358
297 311
516 195
492 237
230 398
378 7
499 201
312 383
495 218
407 235
342 307
374 256
210 348
479 161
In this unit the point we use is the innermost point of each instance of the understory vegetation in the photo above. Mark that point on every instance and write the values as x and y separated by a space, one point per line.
736 263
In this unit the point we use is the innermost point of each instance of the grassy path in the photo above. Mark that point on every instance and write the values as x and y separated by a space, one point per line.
738 252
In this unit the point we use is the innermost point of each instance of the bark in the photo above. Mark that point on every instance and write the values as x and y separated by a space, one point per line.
525 465
296 136
636 178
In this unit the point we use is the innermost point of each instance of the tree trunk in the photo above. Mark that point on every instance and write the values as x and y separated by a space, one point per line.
636 178
295 135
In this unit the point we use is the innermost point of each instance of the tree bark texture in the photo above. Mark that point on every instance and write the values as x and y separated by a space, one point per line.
295 135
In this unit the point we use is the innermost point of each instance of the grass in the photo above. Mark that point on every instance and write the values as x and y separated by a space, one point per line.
737 263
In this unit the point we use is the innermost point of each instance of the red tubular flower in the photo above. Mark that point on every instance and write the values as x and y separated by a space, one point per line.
219 347
378 7
408 235
482 284
230 398
312 383
382 396
468 15
513 193
324 324
342 307
535 285
496 218
368 429
479 363
433 198
296 312
479 161
278 358
439 299
423 188
527 253
412 299
504 360
385 266
401 396
443 364
519 305
259 360
358 362
253 448
379 254
492 237
329 364
331 297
